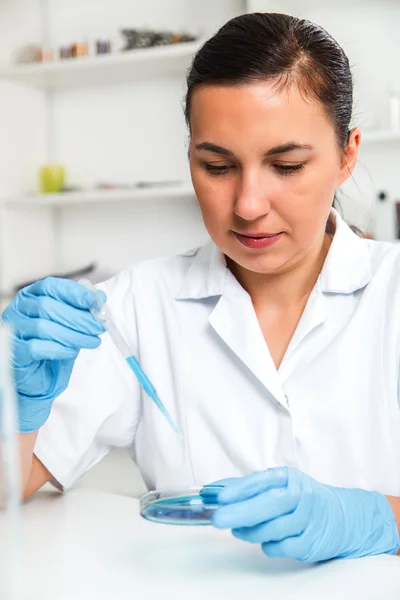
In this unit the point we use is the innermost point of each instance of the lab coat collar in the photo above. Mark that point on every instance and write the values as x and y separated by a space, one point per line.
206 275
347 267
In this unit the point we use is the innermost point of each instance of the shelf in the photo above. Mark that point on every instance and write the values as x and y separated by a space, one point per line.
380 136
101 196
107 69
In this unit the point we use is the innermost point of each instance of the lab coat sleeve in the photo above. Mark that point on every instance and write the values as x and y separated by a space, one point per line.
100 408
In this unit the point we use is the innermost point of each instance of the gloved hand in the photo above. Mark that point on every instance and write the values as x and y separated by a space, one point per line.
293 515
51 322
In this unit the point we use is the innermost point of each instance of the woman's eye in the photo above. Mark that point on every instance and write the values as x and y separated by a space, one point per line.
287 169
223 169
217 169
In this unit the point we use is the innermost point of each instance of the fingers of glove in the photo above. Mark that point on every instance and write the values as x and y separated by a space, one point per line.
47 329
242 488
278 529
293 547
209 492
30 308
253 511
42 329
25 352
64 290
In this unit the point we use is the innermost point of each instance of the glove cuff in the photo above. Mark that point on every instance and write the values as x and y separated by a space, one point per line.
33 412
371 526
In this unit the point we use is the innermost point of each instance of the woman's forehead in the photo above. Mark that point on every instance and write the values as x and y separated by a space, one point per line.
257 108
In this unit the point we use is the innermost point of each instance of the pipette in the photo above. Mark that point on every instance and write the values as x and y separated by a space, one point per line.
101 313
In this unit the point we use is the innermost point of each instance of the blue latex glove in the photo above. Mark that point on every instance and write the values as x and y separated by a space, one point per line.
51 322
292 515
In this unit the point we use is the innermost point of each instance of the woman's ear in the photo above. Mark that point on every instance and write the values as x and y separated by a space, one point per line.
350 155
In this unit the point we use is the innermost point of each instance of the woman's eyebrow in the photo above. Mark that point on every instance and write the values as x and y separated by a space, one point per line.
289 147
213 148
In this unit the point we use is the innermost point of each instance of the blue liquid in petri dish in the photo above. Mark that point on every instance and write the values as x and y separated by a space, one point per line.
185 509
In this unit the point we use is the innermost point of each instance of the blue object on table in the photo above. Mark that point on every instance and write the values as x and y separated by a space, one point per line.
177 507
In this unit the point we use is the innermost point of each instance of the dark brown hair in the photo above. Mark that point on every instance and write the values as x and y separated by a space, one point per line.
284 49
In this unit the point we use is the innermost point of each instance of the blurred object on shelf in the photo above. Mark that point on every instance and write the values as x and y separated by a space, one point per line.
155 184
384 221
145 38
51 178
395 107
134 38
80 49
103 47
77 274
31 53
52 181
65 52
71 188
47 55
137 184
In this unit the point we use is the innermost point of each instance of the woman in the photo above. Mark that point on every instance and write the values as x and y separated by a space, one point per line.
275 347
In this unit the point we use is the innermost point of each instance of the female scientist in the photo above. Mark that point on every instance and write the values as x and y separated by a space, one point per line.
275 347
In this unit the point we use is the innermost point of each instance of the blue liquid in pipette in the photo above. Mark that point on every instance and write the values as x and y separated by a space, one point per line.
184 510
149 389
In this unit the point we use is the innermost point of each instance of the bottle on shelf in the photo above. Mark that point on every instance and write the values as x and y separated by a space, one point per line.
384 229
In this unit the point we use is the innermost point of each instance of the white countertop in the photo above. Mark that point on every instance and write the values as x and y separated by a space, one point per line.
94 545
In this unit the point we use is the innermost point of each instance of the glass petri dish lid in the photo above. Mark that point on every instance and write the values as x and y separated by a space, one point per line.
179 506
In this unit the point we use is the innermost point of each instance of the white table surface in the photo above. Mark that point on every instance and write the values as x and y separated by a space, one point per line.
94 545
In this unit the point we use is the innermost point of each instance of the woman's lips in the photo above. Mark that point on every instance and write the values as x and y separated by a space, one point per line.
258 241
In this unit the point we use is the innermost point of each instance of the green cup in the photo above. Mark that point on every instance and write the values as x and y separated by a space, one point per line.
51 179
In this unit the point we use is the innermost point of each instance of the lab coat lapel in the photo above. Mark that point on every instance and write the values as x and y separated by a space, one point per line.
313 316
235 321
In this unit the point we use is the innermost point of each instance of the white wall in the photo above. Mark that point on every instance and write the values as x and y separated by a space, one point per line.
368 30
126 133
93 18
22 114
23 146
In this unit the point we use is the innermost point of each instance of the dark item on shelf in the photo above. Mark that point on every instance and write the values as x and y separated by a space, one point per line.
398 219
67 189
155 184
65 52
146 38
103 47
382 196
70 275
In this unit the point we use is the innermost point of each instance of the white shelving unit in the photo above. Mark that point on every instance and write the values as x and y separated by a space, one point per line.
112 69
35 217
184 190
380 136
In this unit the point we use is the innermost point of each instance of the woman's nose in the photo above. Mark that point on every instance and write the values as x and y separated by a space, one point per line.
251 201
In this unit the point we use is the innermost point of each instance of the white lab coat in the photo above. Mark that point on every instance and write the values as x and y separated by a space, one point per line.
332 408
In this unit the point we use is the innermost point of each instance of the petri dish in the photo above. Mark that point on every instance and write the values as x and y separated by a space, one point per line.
178 507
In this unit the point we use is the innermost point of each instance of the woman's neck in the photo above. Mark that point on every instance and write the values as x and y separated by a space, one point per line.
289 287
